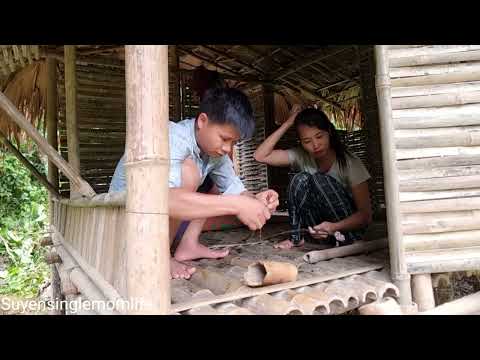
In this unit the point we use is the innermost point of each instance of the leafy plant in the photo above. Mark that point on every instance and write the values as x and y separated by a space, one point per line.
23 216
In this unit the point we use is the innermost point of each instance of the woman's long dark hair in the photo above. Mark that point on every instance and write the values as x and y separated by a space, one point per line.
316 118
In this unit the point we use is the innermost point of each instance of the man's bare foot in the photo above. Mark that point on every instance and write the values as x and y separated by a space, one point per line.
179 270
198 251
286 244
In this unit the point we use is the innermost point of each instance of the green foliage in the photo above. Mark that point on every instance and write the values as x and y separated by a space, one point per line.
23 216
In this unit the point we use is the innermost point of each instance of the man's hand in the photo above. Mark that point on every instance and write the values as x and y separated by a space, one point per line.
322 230
252 212
269 198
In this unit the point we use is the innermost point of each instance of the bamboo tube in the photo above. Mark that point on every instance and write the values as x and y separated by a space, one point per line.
422 291
439 151
435 184
467 305
147 166
66 284
71 112
359 247
456 204
446 240
433 195
397 257
386 306
264 273
437 100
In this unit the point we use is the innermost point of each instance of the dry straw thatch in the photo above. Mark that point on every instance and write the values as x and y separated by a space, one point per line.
27 89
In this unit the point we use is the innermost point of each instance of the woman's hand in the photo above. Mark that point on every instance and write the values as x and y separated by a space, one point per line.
296 108
322 230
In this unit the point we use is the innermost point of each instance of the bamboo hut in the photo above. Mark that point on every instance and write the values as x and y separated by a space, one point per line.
393 106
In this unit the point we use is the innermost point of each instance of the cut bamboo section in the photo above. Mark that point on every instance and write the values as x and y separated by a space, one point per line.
443 260
438 195
440 222
440 205
147 166
447 240
264 273
435 117
438 100
437 137
446 183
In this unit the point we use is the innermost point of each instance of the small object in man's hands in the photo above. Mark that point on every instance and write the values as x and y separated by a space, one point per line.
339 236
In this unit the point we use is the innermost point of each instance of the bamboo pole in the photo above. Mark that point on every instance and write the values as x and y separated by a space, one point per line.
437 151
147 166
436 117
72 174
446 240
418 71
437 137
440 205
430 50
467 305
436 100
356 248
422 291
399 270
71 112
52 190
437 222
434 195
176 83
459 88
445 78
438 172
51 119
436 184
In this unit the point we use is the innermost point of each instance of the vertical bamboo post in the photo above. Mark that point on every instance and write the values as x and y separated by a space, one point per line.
52 126
147 166
269 120
422 291
71 112
176 84
399 271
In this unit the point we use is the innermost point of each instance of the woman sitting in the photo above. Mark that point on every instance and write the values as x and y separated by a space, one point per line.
329 195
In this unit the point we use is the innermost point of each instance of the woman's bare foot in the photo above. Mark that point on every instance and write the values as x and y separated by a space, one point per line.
198 251
179 270
286 244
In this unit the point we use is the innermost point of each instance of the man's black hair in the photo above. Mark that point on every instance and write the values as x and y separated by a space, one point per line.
229 106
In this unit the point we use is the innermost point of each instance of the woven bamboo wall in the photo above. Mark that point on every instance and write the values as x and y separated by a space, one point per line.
101 122
435 106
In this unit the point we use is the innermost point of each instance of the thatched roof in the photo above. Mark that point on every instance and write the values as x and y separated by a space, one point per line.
327 76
